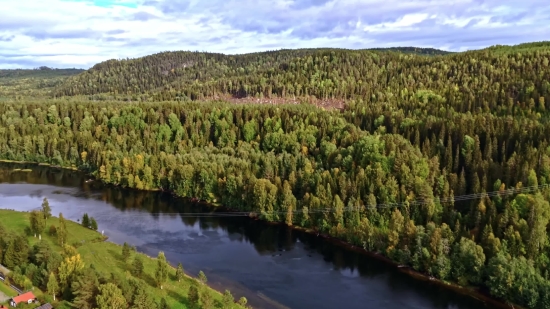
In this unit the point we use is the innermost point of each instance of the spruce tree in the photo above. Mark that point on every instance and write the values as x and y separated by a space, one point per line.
86 220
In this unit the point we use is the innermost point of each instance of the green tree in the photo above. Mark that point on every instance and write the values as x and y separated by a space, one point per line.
93 224
179 272
38 223
193 295
17 252
202 277
468 262
206 299
227 299
126 252
161 273
85 220
142 299
242 301
110 297
46 209
137 267
85 289
61 231
53 286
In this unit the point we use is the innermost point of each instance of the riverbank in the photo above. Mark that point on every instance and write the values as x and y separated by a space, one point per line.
468 291
106 257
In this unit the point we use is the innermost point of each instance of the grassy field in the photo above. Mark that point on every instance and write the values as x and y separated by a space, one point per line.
107 257
4 288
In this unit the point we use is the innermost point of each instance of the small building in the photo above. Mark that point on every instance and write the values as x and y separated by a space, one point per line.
23 298
45 306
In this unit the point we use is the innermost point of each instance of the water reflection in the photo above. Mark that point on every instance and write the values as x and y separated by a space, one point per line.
260 261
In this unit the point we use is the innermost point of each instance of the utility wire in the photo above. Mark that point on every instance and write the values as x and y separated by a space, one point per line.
418 202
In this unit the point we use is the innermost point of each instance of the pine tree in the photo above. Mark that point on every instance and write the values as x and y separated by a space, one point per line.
137 267
193 295
227 299
85 289
10 256
202 277
85 220
93 224
126 251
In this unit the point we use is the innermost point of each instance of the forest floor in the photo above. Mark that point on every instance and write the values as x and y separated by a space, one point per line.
107 258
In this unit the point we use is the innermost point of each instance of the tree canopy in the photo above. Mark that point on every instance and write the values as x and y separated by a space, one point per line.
415 165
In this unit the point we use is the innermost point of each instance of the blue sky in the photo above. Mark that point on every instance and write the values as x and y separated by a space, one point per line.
80 33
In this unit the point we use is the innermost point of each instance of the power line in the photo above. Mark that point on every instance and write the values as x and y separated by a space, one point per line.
418 202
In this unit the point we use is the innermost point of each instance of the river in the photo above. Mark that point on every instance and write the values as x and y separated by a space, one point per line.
272 266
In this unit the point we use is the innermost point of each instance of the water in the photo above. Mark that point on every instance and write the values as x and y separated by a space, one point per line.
272 266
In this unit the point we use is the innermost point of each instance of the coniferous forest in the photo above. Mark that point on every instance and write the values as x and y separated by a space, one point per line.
437 160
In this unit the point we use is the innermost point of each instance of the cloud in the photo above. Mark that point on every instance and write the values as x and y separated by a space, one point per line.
81 33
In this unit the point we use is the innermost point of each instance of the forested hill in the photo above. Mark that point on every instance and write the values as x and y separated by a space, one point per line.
41 72
323 73
32 82
474 77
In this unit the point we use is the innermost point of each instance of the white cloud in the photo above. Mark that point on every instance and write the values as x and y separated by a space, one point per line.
63 33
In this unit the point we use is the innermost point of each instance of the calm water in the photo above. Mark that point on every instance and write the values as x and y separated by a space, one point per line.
274 267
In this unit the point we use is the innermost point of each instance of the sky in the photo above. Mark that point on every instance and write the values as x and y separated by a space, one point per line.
81 33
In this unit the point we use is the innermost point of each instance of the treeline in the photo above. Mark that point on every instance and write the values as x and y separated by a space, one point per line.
292 163
469 81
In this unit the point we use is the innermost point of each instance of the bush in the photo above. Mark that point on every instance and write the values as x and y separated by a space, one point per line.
53 230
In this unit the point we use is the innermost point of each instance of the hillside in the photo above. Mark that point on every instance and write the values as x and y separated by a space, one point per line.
94 264
32 83
329 76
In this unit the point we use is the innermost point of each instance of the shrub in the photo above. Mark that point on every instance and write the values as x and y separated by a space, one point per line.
53 230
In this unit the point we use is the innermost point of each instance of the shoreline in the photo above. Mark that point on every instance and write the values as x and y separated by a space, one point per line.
467 291
105 239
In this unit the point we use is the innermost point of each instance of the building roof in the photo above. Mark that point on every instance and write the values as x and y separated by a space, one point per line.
45 306
23 297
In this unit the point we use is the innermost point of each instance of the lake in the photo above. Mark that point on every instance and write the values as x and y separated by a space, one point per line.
272 266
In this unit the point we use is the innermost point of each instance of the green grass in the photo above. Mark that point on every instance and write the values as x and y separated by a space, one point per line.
4 288
107 257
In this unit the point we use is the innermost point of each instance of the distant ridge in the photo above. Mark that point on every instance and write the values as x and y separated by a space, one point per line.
38 72
414 50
